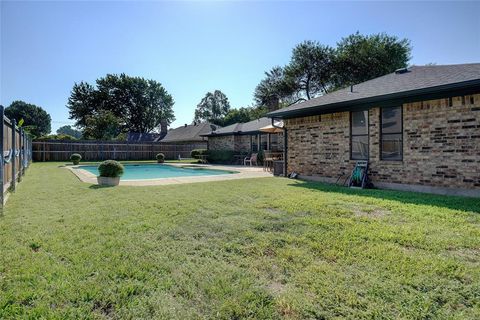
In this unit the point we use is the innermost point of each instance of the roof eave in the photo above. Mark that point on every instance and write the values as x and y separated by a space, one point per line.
459 88
237 133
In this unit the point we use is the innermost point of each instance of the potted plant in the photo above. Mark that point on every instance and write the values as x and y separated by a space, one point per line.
75 158
110 173
160 157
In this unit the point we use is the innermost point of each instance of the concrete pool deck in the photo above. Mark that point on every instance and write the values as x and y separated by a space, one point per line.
241 172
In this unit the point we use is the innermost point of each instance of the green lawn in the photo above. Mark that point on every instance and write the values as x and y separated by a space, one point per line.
258 248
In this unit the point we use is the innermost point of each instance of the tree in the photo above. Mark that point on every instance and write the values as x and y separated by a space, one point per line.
69 131
56 137
137 104
309 73
360 58
82 103
311 69
243 115
315 69
275 90
102 126
212 108
36 121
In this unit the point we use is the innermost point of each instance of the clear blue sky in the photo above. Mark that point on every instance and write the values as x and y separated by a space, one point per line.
195 47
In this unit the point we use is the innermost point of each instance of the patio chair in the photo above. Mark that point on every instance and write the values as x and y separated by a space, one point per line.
252 159
267 160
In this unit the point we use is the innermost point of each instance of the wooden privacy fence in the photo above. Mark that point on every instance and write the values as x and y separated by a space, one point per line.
93 150
17 154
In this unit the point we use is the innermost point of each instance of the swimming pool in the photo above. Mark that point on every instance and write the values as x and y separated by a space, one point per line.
157 171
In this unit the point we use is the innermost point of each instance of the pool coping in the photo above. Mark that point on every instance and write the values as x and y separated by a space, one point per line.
241 172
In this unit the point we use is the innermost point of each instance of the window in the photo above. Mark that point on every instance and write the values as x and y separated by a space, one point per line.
254 143
264 141
274 141
359 135
391 141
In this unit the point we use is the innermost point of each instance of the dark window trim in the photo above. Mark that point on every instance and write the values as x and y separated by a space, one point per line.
360 135
381 132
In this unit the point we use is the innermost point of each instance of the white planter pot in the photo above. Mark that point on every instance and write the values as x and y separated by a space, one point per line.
108 181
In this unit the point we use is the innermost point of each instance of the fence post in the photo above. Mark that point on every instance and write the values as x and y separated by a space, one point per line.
20 154
25 155
14 156
2 159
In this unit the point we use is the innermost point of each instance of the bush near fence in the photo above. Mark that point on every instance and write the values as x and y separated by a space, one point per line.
198 152
95 150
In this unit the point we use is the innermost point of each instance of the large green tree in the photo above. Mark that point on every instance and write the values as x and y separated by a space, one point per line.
243 114
311 69
138 104
275 90
70 131
363 57
213 107
36 121
315 69
104 125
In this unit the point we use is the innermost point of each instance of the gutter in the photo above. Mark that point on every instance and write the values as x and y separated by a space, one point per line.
236 133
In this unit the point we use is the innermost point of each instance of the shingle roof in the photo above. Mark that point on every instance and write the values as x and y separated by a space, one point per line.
417 80
191 132
242 128
142 137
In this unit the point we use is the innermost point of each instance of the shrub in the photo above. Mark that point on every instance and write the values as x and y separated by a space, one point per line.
75 157
260 156
223 156
160 157
110 168
198 152
57 137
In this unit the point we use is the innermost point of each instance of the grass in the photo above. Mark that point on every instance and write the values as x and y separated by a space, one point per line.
260 248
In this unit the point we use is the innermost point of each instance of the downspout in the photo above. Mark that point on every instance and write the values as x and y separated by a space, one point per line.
285 146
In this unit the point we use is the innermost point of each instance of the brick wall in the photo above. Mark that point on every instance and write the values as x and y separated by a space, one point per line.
221 143
441 145
242 143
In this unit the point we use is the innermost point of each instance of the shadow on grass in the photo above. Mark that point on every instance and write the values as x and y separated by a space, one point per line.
97 186
450 202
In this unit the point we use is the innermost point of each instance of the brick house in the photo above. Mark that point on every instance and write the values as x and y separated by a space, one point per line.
245 137
189 134
419 128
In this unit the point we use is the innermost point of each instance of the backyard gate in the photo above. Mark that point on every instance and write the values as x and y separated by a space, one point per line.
16 157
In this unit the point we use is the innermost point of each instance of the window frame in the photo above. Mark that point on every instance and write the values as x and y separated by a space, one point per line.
360 135
254 141
381 133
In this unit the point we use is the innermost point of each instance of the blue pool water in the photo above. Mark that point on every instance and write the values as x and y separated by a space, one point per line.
156 171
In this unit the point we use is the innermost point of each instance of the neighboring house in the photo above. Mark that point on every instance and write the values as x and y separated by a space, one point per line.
419 128
245 137
192 133
186 134
143 137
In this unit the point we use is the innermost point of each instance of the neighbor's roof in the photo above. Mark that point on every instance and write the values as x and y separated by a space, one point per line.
192 132
242 128
416 83
142 137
